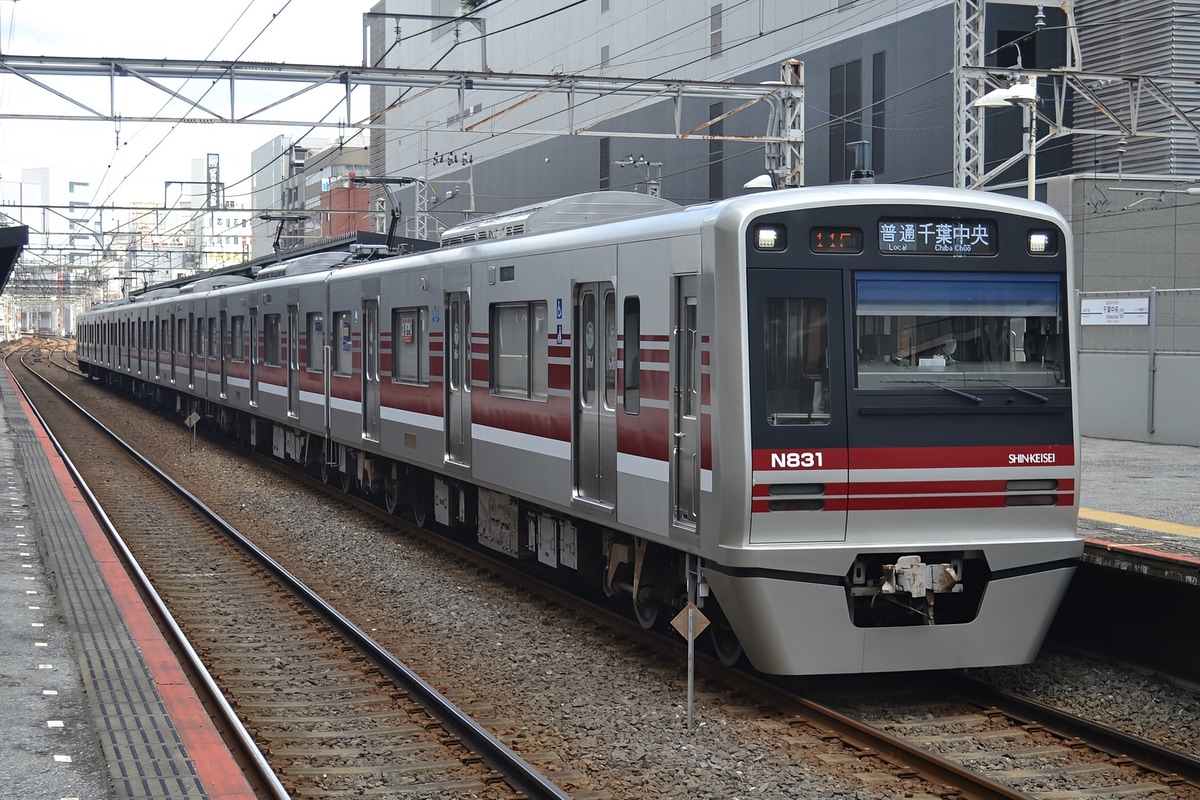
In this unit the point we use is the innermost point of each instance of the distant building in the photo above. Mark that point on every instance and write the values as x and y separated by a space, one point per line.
293 179
344 208
874 71
71 242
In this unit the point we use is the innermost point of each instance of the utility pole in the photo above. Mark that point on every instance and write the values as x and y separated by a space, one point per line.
971 78
785 129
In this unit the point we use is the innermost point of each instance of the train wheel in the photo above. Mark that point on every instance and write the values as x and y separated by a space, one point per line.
326 472
646 613
724 641
347 481
422 506
420 514
391 494
420 493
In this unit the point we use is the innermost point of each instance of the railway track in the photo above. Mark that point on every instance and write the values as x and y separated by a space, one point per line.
926 745
1035 750
333 714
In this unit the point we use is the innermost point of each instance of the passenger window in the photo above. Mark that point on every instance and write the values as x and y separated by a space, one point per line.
271 354
315 343
237 340
519 359
633 355
410 345
343 356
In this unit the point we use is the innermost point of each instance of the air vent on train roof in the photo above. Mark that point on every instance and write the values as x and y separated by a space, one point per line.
157 294
302 265
562 213
213 282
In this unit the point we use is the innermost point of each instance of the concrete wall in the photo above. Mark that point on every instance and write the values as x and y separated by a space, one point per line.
1133 235
1114 397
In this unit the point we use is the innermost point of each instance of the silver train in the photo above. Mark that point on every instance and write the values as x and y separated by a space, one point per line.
840 421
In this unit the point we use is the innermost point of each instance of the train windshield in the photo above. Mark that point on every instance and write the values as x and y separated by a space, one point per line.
913 329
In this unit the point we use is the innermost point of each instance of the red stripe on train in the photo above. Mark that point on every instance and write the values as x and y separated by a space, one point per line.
1059 455
909 488
917 503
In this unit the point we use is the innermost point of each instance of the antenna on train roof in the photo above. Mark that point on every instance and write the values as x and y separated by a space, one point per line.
281 219
862 172
393 203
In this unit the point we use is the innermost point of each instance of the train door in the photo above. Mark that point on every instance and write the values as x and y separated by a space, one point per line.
293 361
223 345
370 370
595 357
253 356
685 405
798 421
175 346
159 344
191 350
457 377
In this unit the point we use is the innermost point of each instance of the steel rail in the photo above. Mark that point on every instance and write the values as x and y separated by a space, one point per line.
207 686
1151 755
520 775
867 740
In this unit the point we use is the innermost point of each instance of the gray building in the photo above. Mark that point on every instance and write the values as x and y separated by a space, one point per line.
289 178
877 71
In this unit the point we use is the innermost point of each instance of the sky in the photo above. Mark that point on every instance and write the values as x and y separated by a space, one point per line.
133 161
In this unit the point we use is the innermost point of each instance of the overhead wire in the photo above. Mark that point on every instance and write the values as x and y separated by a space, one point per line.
700 57
212 85
832 118
85 223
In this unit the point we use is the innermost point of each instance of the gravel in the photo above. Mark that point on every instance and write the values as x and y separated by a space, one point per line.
554 684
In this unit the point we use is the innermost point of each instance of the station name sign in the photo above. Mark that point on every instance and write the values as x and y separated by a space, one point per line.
1115 311
938 237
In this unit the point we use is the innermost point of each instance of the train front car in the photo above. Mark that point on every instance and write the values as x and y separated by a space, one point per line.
908 497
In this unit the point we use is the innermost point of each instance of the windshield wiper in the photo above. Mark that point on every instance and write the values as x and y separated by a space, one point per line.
1023 391
941 386
951 390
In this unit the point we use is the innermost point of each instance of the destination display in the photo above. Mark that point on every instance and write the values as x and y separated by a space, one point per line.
938 237
835 240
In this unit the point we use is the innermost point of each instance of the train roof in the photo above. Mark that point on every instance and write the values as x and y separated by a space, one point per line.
215 282
154 294
302 265
121 301
636 215
559 214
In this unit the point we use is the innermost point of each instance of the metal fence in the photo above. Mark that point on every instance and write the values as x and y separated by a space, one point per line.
1129 336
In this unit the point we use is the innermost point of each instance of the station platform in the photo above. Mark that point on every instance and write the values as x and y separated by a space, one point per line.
1140 508
95 704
